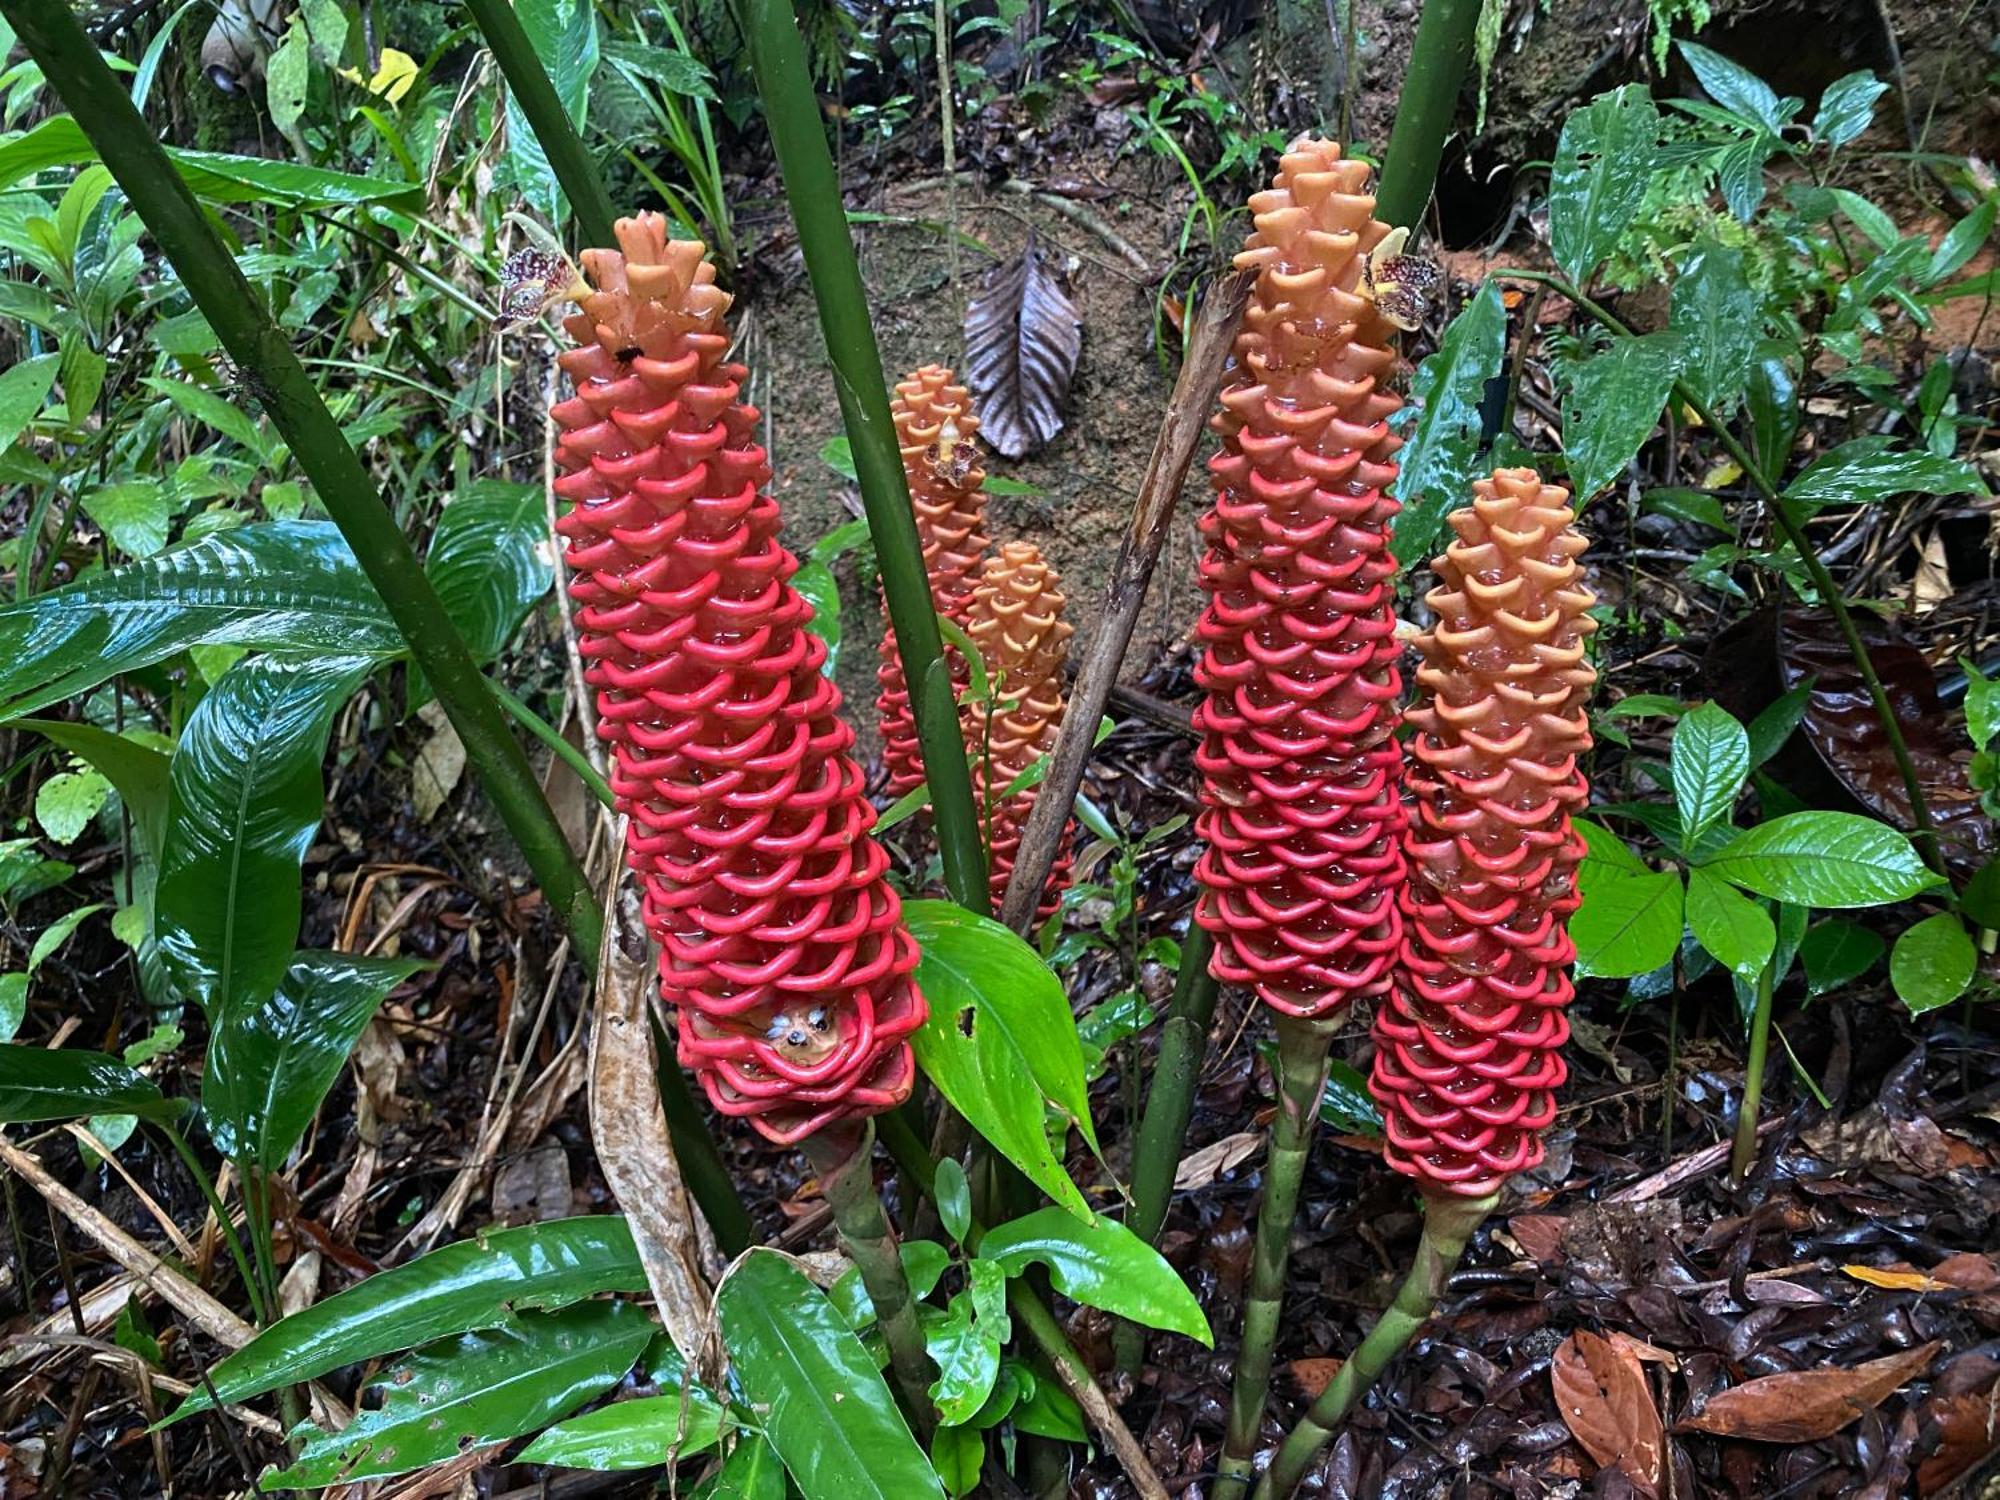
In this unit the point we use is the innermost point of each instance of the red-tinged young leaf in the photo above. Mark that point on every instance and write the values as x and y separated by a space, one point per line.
1603 1397
1803 1406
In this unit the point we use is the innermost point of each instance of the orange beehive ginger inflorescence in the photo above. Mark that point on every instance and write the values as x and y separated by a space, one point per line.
1016 620
1298 757
782 948
935 425
1468 1053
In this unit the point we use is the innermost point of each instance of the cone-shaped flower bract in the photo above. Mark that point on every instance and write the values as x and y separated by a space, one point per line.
1298 758
935 424
782 948
1468 1051
1016 619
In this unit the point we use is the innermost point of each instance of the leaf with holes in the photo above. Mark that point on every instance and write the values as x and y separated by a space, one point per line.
1022 342
1603 162
1602 1396
1440 460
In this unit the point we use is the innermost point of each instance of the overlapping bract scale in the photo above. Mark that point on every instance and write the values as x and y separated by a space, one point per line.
782 948
1016 619
1468 1051
935 426
1298 759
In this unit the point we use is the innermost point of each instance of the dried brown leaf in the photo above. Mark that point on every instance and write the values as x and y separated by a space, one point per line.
1200 1168
1803 1406
1967 1428
1022 342
1604 1400
1314 1375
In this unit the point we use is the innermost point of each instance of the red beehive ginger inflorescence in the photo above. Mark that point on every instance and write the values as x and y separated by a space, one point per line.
1298 758
782 949
1016 620
935 425
1468 1051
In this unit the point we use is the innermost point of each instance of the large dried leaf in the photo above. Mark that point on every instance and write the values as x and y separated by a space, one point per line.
1022 341
1841 725
1803 1406
1603 1397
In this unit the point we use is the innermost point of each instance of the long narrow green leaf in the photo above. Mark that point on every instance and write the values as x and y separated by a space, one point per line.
38 1084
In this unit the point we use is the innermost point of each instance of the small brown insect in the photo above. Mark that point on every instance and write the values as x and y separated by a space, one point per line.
1402 286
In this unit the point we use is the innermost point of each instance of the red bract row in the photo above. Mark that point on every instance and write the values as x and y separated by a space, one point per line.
782 947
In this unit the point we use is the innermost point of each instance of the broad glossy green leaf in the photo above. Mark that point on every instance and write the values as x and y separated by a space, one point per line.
1440 459
13 1004
1826 859
1603 163
564 36
1869 469
1932 963
958 1454
642 1433
1735 88
489 561
39 1084
1614 401
1629 922
284 585
1711 761
473 1284
1846 107
138 771
750 1472
475 1390
1715 309
1772 399
1735 930
1776 721
270 1064
1961 242
1101 1264
24 386
965 1340
1980 900
1982 705
202 405
816 582
1000 1041
245 797
822 1402
1836 952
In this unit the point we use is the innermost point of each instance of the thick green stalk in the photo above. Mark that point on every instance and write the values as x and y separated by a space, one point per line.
237 313
560 143
559 747
1302 1063
791 110
1438 57
702 1167
1744 1154
1448 1224
843 1156
1156 1150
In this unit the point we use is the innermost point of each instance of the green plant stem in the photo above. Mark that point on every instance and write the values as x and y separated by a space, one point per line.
843 1156
1924 834
798 134
702 1167
216 1206
529 83
1744 1154
1302 1064
237 313
1438 58
561 748
1156 1150
1448 1223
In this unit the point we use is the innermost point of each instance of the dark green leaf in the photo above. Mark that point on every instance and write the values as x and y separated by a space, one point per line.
286 585
1846 107
1867 469
1000 1042
1716 311
37 1084
1773 401
820 1398
1629 922
1980 899
1697 506
1613 403
816 582
1049 1411
475 1390
1836 952
642 1433
1932 963
488 561
1776 721
1603 163
270 1065
1346 1104
954 1198
958 1454
1964 241
1735 930
751 1472
1101 1264
24 386
1711 760
1740 175
1825 859
474 1284
244 801
564 36
1440 460
1735 88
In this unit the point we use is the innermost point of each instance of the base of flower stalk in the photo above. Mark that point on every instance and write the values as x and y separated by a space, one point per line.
843 1157
1449 1222
1302 1065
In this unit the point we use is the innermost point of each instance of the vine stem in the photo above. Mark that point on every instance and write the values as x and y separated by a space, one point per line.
1449 1222
843 1155
1743 1156
1925 832
1302 1064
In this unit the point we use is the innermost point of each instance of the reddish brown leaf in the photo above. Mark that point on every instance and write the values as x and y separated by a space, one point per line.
1603 1397
1969 1271
1313 1375
1968 1429
1802 1406
1540 1235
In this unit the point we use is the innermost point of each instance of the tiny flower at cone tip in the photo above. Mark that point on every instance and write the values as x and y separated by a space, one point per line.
1299 765
1468 1048
782 948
